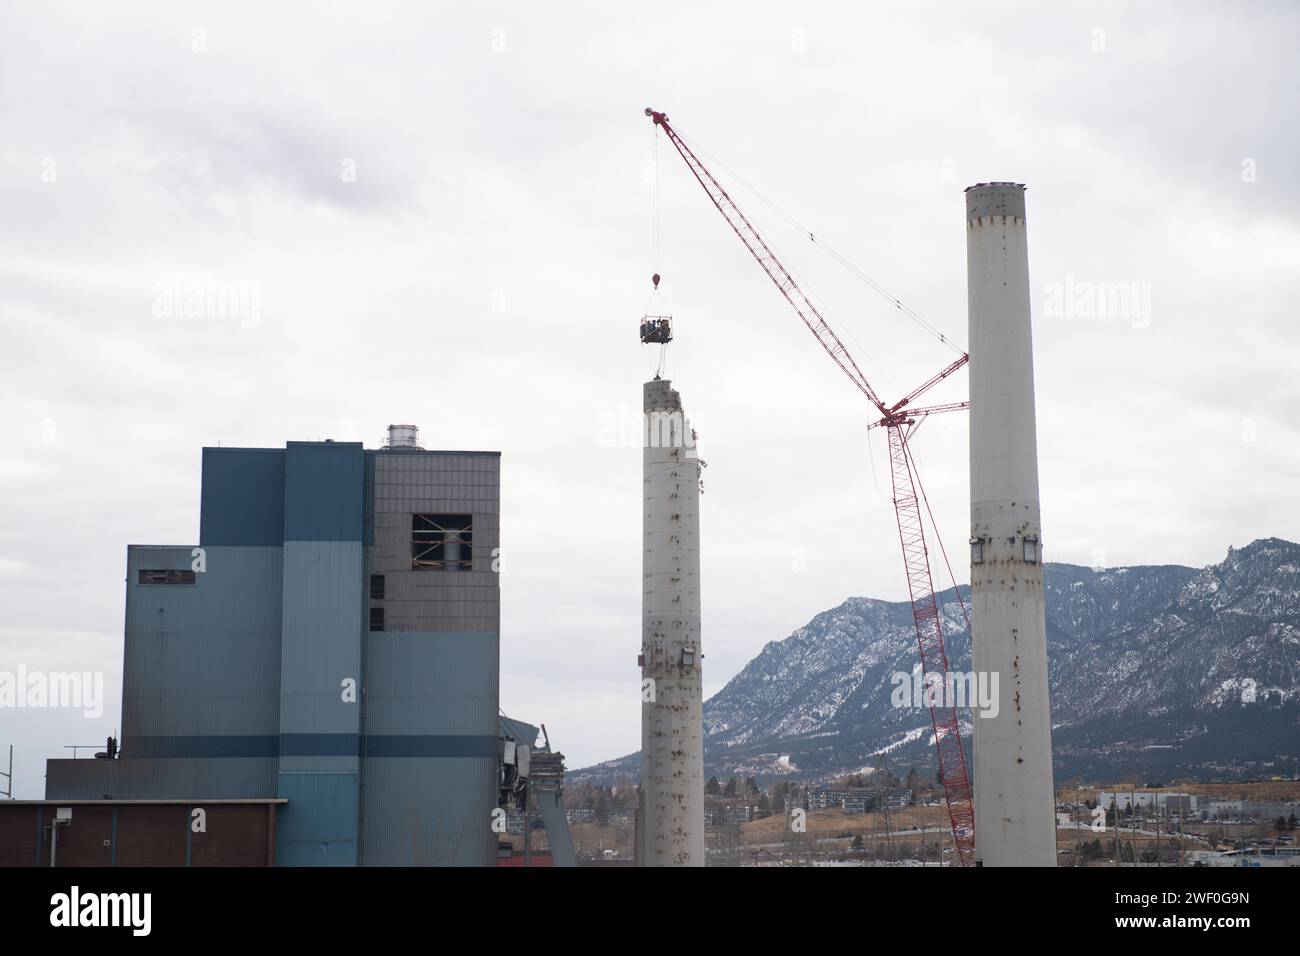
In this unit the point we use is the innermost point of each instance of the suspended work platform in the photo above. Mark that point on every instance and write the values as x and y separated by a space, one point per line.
657 328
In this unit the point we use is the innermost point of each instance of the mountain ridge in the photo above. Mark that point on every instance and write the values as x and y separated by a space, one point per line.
1153 669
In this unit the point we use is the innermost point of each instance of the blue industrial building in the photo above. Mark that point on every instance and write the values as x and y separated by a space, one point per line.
333 640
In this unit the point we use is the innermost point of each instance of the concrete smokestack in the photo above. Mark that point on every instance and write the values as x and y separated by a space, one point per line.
1015 823
672 724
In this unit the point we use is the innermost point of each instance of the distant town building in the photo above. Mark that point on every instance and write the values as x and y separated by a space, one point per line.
726 814
1255 810
1123 800
856 801
825 799
898 798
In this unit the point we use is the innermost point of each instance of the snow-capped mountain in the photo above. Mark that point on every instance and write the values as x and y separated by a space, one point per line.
1154 670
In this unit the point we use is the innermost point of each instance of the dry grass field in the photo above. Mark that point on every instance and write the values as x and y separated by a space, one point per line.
830 833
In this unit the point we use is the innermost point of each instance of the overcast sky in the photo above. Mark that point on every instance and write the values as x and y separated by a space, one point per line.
443 215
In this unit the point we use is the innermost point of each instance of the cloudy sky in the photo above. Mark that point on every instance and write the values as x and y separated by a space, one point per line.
442 214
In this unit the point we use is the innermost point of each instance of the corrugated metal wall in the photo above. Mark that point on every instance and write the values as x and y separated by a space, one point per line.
233 685
203 658
431 707
242 498
201 669
323 609
432 675
162 778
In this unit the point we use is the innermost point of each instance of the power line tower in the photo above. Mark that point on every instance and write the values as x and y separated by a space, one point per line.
882 828
726 844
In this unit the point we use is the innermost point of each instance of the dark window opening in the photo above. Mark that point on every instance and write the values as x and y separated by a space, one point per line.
442 542
376 618
168 577
376 587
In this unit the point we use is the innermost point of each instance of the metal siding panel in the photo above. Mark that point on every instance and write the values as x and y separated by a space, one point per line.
432 600
432 676
324 604
318 825
68 779
430 692
429 812
242 497
368 532
205 746
432 683
203 659
160 778
558 837
324 492
208 671
524 733
431 745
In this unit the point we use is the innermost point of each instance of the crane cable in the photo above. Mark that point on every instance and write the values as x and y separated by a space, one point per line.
655 233
809 293
833 253
654 203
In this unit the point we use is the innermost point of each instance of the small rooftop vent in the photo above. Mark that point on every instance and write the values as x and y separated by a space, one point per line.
403 436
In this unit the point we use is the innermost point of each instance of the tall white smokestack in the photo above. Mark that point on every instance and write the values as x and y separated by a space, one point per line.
1015 823
672 723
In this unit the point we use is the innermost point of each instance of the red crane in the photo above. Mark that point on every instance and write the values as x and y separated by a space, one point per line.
897 419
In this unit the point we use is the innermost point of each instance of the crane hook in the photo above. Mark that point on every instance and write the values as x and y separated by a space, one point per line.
655 279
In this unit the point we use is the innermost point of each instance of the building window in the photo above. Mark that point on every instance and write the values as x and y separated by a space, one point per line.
376 587
976 550
376 618
168 577
442 542
1031 551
